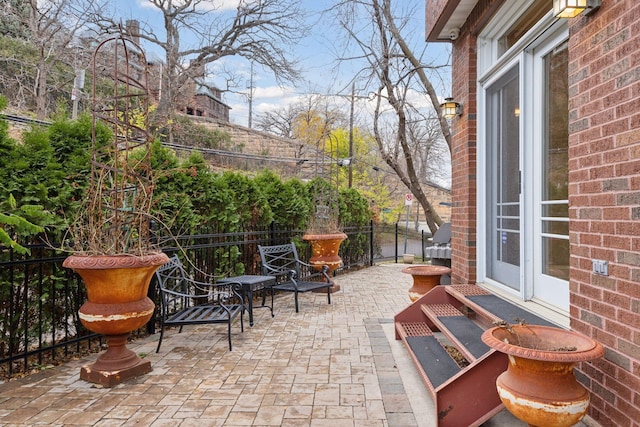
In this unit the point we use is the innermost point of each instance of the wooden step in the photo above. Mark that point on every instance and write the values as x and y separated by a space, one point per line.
492 307
437 365
463 332
463 396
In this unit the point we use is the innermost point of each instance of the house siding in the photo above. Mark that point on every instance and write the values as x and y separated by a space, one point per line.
604 192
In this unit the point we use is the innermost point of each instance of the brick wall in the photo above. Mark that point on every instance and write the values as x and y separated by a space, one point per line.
256 142
463 184
604 200
251 141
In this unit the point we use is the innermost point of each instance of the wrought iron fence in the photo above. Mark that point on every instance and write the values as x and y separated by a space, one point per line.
39 299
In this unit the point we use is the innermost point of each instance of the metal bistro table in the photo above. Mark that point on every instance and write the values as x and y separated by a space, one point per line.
251 283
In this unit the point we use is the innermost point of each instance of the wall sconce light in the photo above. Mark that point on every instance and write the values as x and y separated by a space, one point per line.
572 8
451 108
516 112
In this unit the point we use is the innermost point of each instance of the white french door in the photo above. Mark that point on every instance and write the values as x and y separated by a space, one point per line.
503 154
551 178
523 164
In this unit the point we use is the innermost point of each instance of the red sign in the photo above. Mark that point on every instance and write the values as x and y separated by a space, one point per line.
408 199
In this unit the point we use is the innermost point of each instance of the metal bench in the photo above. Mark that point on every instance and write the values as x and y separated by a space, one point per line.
185 301
293 275
440 251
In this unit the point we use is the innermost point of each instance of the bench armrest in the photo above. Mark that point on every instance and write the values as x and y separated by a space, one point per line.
293 275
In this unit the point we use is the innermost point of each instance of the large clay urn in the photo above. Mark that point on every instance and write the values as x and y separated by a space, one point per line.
117 304
324 250
539 386
425 278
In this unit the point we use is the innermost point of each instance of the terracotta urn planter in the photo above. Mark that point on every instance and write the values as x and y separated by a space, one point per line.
539 386
425 278
324 250
117 304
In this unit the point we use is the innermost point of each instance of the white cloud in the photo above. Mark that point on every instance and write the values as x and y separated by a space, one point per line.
418 99
272 92
264 107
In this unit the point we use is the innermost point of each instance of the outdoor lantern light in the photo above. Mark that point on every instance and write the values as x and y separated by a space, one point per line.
571 8
451 108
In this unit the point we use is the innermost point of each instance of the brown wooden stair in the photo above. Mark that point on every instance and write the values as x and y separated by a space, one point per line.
454 316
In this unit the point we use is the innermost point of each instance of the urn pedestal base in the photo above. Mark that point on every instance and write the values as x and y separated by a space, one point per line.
116 364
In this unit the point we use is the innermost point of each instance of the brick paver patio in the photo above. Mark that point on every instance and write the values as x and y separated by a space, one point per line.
329 365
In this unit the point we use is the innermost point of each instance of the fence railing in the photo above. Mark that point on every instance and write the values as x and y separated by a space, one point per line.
39 299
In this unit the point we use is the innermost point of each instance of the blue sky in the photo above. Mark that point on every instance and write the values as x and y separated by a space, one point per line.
315 53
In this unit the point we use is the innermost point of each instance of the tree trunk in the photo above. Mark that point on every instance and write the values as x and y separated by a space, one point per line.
40 90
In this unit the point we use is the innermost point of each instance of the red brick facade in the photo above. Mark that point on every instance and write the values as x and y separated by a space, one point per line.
604 176
463 184
604 190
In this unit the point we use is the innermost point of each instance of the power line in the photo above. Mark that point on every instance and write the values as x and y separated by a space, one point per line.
24 120
379 169
246 156
224 153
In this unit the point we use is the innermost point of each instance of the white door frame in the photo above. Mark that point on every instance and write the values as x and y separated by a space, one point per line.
490 68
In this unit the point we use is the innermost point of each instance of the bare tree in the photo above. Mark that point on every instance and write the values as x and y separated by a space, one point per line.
279 122
47 29
309 121
199 32
403 132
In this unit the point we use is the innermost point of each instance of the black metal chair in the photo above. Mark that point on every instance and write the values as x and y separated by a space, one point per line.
293 275
189 302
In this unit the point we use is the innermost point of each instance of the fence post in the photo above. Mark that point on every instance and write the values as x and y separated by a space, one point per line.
371 243
422 247
272 232
396 245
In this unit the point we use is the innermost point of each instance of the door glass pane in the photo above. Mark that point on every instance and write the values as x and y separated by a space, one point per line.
504 176
509 168
555 185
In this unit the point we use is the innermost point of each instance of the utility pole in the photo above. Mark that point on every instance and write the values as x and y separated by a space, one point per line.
353 89
76 92
251 95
